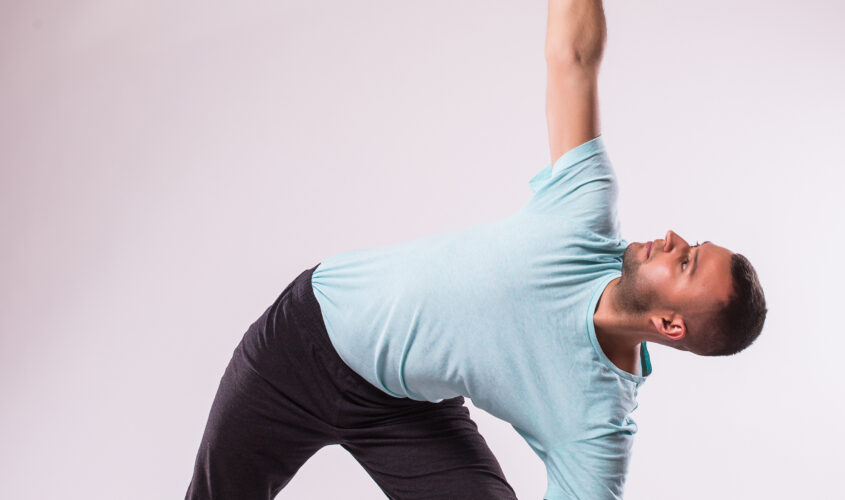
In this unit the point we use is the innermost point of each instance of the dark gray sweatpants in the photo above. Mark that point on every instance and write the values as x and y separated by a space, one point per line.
286 393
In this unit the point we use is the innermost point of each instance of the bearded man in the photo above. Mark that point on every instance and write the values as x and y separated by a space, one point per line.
542 319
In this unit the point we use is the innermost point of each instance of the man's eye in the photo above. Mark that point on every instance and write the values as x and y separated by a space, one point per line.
684 265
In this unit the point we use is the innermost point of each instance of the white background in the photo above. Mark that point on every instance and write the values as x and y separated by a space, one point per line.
168 167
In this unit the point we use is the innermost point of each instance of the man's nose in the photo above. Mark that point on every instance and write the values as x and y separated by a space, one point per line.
673 240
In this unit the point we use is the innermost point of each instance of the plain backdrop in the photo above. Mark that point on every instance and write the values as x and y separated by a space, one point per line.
168 167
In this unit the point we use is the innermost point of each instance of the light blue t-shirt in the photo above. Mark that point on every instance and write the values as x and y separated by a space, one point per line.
502 313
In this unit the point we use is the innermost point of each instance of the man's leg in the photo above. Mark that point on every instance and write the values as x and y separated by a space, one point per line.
274 406
252 445
428 451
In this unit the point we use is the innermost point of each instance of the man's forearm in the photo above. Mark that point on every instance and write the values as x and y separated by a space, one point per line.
576 31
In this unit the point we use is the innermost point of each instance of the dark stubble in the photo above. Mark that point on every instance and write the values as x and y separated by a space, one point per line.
631 294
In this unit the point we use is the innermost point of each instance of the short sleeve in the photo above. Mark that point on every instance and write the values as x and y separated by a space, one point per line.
593 468
581 186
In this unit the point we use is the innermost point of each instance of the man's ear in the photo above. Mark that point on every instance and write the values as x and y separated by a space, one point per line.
671 326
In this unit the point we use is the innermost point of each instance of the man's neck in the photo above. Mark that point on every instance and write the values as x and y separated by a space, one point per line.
618 333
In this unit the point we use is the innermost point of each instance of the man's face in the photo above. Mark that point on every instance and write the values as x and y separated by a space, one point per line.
669 274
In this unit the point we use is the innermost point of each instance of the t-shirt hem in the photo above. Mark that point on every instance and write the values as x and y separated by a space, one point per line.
554 493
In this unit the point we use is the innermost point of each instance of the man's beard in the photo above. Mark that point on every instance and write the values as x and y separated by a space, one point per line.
631 296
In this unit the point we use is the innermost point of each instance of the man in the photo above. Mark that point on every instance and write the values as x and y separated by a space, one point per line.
542 319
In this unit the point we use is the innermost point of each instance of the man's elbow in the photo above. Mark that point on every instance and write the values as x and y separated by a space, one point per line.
583 55
576 32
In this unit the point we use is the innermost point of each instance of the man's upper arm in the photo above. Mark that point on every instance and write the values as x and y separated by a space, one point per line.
572 112
574 48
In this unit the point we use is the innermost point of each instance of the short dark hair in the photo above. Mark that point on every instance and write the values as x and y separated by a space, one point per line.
739 322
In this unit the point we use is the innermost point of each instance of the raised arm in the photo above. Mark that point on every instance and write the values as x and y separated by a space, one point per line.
574 44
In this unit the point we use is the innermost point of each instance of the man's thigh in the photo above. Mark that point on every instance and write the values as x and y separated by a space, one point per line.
254 441
428 451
